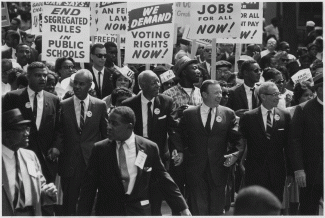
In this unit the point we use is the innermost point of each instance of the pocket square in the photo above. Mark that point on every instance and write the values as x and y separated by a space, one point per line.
163 117
147 169
280 129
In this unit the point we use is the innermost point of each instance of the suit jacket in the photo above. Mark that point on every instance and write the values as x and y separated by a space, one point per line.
265 158
37 182
306 141
74 144
40 141
238 98
205 148
7 54
103 174
107 86
163 123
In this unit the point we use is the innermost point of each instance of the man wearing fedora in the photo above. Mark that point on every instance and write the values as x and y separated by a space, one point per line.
306 143
24 187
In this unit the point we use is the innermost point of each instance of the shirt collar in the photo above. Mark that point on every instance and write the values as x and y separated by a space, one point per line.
130 142
264 110
76 99
247 87
144 100
31 93
206 109
8 152
319 101
96 71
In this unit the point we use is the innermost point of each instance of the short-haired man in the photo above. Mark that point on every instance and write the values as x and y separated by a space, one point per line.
24 188
23 54
9 49
111 54
83 121
266 130
121 169
223 70
42 109
206 132
102 76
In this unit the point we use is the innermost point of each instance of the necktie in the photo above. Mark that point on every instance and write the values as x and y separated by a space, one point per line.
19 198
254 100
99 86
149 124
123 167
35 106
82 114
208 123
268 125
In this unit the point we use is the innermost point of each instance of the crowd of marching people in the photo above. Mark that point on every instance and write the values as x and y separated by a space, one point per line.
100 139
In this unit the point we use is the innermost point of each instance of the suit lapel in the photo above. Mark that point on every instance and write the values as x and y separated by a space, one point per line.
138 115
5 185
199 119
154 115
215 123
276 119
91 108
139 147
259 119
243 96
46 107
72 113
95 81
25 99
106 81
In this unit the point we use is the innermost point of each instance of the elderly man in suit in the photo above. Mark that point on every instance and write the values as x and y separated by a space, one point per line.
266 129
206 131
307 150
24 187
42 109
154 121
83 121
120 168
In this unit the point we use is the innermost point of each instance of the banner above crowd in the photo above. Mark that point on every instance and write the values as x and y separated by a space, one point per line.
215 20
66 25
150 33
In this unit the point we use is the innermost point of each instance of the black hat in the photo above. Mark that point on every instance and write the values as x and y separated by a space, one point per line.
223 63
12 118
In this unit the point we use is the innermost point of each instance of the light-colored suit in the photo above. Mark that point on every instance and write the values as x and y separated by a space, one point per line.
37 181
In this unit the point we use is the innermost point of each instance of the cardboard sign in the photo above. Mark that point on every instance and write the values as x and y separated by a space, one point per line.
251 24
150 33
126 72
168 75
182 13
66 25
101 38
5 21
301 75
37 9
111 18
186 36
215 20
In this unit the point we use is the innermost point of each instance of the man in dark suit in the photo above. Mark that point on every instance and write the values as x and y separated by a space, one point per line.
24 187
266 129
244 97
83 121
307 150
154 124
206 131
121 170
9 49
101 75
42 109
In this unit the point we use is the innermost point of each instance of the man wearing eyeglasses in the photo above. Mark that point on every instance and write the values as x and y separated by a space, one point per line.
266 130
101 75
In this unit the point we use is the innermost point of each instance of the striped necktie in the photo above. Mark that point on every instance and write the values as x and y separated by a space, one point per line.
82 114
19 198
268 125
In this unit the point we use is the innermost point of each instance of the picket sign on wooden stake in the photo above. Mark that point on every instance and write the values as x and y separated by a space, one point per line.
193 49
237 55
119 50
213 58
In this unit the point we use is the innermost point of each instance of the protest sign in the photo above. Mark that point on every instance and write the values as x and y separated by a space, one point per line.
301 75
111 18
251 24
5 21
150 33
182 13
168 75
101 38
186 33
66 25
215 20
37 8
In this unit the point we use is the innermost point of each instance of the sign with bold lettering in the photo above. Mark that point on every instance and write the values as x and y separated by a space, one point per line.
186 33
111 18
251 24
215 20
101 38
301 75
5 21
150 33
168 75
66 25
37 8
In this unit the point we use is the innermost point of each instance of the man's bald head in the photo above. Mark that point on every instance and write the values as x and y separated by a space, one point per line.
149 83
146 76
84 73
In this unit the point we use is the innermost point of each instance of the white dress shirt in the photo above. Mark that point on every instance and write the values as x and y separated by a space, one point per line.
5 88
264 115
144 106
249 96
8 158
40 104
204 114
77 107
101 77
130 155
